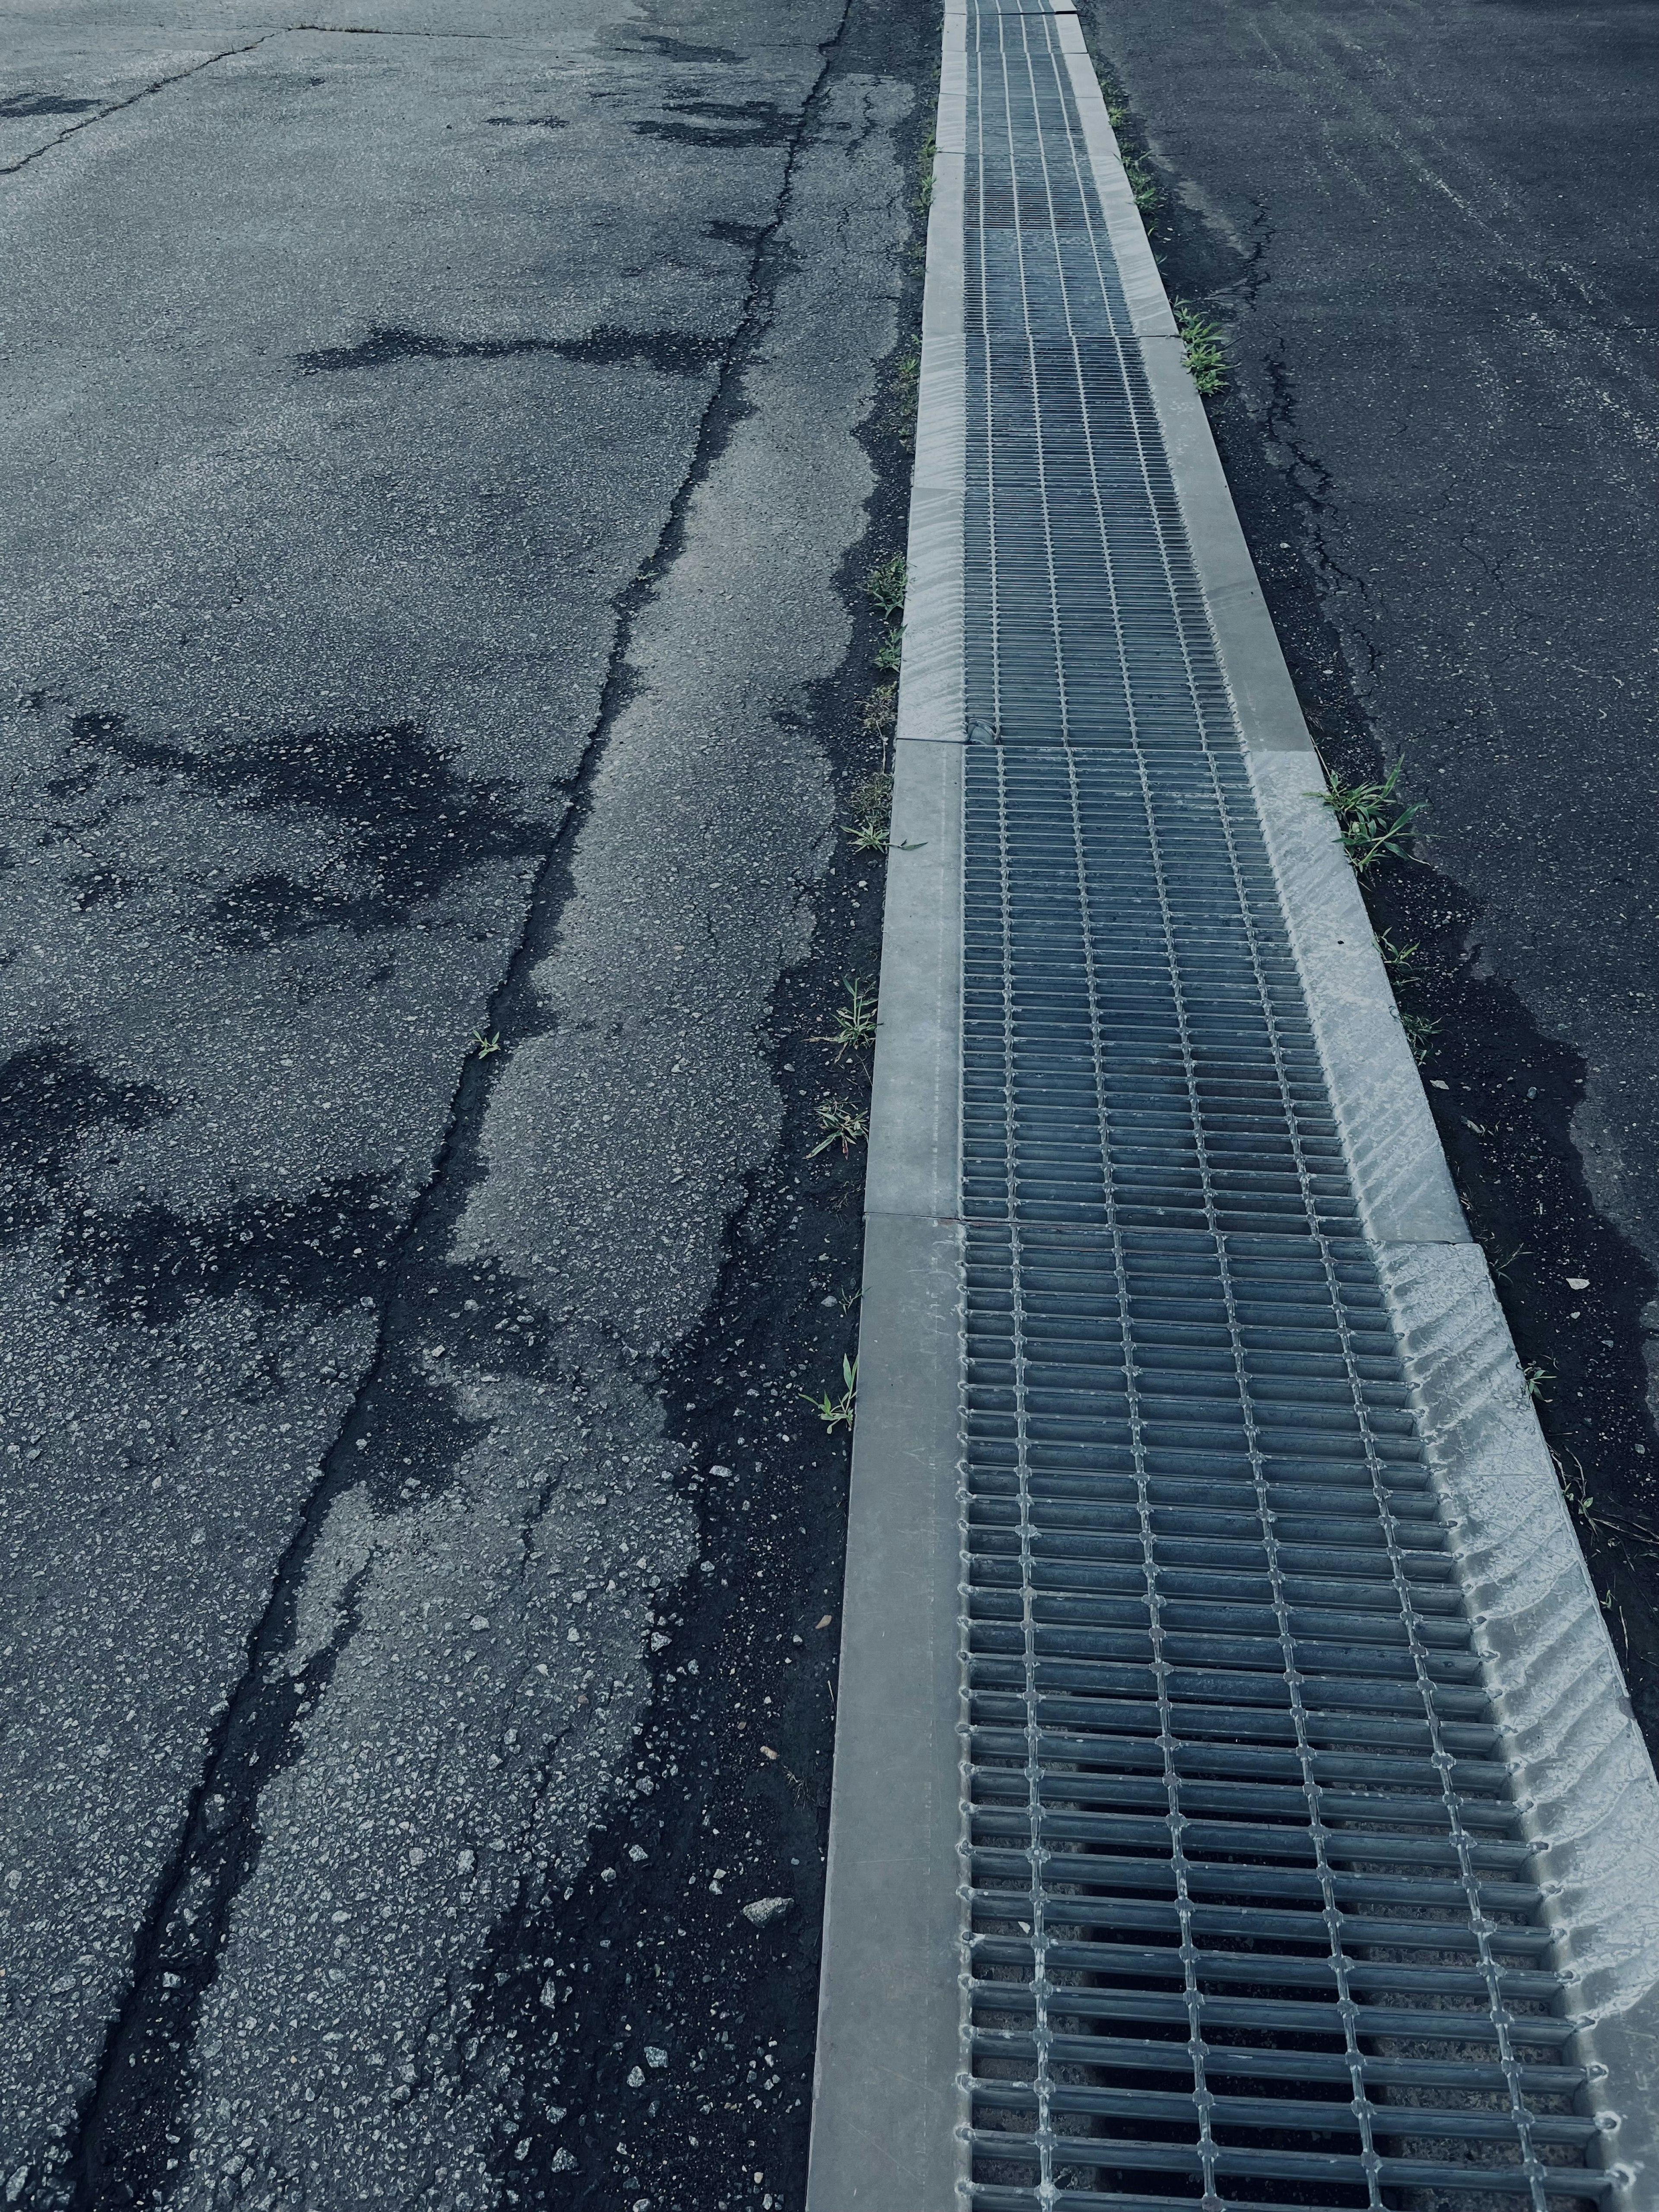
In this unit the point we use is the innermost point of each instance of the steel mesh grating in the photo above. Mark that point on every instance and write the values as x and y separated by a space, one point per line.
1252 1918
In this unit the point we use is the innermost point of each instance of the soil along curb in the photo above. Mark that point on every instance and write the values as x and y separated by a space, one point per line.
889 2110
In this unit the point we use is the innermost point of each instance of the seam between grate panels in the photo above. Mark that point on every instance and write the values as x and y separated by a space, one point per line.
1371 2164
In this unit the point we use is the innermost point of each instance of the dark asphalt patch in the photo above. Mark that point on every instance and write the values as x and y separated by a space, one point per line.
51 1101
672 353
45 103
1503 1093
413 825
722 123
328 1249
679 50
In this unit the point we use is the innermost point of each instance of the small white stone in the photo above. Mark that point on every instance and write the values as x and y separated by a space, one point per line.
636 2077
653 2057
765 1909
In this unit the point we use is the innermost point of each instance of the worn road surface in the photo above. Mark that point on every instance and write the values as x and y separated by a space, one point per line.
431 462
1427 234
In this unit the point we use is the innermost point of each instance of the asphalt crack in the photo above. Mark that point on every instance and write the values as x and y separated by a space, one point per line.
147 92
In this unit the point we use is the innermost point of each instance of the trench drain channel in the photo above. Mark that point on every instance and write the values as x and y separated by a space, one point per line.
1251 1915
1250 1912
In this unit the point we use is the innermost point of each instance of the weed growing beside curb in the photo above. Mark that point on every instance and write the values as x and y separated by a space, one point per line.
837 1413
905 404
853 1024
845 1125
1370 818
1142 183
872 813
1202 348
885 585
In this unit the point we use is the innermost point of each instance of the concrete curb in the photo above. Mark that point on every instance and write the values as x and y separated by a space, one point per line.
885 2096
886 2099
930 706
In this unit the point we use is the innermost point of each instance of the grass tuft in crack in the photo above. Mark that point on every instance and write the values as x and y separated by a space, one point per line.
906 400
1142 183
872 813
885 585
879 717
1373 822
1202 348
926 161
1398 959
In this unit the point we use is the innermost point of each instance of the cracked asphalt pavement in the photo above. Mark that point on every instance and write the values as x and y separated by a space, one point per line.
432 454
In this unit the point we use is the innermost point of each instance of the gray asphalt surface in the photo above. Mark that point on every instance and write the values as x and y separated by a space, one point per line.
412 433
1427 232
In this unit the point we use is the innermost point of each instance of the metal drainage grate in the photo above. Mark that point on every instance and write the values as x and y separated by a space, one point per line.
1253 1922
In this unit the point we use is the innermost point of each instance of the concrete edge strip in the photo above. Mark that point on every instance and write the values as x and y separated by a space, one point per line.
886 2099
931 693
1585 1778
885 2096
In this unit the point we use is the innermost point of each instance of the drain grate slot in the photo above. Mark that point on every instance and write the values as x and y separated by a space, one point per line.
1252 1915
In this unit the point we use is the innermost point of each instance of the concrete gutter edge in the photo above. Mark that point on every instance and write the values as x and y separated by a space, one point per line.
930 704
886 2103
